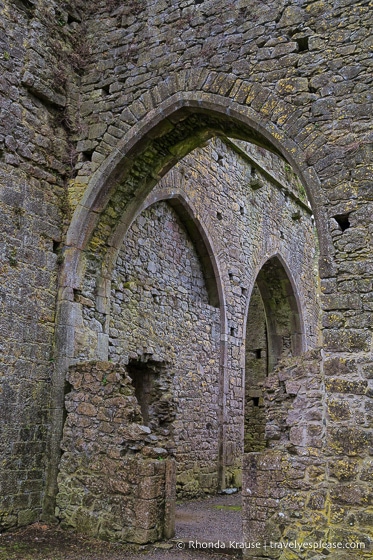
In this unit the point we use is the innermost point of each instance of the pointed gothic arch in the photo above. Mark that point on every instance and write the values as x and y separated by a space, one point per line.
165 135
176 207
274 330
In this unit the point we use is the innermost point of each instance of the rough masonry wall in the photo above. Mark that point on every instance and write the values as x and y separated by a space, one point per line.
302 68
301 73
256 371
308 486
115 479
312 56
160 309
184 358
36 159
161 312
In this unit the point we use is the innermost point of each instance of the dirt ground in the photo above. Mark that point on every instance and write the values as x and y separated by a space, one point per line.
210 520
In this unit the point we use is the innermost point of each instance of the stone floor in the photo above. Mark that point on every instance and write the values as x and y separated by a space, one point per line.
215 520
210 526
210 520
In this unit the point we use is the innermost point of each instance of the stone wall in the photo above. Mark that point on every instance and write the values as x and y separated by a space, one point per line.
306 491
104 98
37 158
114 476
186 333
180 332
256 371
161 312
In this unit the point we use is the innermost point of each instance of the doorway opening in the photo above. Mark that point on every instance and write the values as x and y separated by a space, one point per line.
273 331
152 391
256 367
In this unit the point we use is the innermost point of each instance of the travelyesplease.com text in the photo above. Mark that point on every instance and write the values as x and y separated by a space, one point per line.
292 545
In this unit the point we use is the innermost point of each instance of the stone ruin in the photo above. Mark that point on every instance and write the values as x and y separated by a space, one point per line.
186 264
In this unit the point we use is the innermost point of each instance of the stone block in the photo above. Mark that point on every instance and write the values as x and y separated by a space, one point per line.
351 340
348 494
150 488
289 86
342 385
27 516
339 366
344 469
147 515
348 441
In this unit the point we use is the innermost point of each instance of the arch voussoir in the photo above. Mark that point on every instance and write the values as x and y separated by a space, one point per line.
157 113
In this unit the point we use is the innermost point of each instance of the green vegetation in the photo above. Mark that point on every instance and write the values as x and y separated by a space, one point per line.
228 508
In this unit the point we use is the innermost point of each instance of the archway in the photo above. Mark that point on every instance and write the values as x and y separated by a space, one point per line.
165 328
256 370
283 314
274 330
181 123
121 185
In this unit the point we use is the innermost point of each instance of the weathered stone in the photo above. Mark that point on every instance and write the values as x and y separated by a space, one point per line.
289 86
142 87
119 457
339 366
338 385
348 441
345 469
